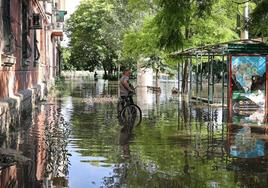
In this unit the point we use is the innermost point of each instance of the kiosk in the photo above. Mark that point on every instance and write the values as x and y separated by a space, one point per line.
243 68
247 99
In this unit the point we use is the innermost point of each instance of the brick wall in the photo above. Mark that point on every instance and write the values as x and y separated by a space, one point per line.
20 77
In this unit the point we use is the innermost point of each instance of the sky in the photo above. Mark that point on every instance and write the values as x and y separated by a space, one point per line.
70 6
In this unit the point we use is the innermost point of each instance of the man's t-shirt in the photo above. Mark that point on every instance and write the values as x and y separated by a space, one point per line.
123 90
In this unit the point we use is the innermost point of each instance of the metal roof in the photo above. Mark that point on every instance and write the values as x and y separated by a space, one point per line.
249 46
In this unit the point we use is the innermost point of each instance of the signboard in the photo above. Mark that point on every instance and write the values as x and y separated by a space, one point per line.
60 15
248 89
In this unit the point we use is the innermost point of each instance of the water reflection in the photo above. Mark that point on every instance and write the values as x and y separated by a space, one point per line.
245 145
179 143
36 149
124 139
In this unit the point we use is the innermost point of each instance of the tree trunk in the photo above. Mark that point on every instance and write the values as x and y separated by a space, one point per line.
157 81
185 111
185 77
186 64
105 73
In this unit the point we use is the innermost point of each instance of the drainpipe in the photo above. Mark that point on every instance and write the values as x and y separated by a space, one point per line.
59 59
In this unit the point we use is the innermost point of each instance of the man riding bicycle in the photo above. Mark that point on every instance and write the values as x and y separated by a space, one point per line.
126 89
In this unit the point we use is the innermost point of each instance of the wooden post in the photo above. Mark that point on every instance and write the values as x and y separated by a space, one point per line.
191 78
222 82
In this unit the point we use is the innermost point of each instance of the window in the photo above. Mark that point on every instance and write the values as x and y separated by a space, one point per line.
7 34
26 47
36 50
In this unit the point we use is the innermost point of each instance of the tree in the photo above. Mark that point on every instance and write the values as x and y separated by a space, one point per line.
96 29
143 44
259 19
178 25
174 19
66 59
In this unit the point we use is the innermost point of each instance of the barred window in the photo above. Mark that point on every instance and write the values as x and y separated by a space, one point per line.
7 34
26 47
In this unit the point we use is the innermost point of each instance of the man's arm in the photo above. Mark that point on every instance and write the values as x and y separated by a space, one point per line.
126 85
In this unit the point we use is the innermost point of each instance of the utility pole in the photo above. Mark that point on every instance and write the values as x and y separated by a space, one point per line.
244 32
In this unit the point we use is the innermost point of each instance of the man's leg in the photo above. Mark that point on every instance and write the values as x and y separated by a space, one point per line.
131 100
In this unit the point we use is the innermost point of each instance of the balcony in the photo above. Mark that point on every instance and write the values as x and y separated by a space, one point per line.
8 60
58 25
57 29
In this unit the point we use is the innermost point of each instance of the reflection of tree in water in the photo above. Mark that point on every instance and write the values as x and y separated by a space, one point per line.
42 137
249 172
180 158
166 110
187 159
57 131
90 113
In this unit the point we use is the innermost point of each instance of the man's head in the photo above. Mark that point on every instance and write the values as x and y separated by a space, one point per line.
127 72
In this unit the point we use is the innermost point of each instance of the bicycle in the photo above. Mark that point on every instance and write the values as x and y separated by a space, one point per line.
128 113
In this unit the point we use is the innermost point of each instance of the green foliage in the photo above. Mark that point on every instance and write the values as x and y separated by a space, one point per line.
170 29
142 42
218 26
96 29
66 54
59 83
174 19
108 32
182 24
259 19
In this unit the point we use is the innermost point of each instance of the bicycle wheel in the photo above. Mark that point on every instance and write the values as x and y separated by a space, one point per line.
131 115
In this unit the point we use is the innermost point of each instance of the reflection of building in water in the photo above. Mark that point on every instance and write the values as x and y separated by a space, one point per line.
56 133
8 177
44 143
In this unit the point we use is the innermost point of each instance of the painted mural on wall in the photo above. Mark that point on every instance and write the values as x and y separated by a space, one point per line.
248 89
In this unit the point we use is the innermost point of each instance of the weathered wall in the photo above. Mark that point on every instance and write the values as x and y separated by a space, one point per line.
21 76
21 87
21 84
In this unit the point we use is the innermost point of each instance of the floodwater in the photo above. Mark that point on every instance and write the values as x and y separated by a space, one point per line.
72 140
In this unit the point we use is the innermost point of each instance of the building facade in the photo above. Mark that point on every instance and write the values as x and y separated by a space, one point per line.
30 35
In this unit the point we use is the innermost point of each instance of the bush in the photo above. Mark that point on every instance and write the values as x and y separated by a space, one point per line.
110 77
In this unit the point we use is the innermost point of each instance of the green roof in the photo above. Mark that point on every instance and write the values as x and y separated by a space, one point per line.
248 46
257 48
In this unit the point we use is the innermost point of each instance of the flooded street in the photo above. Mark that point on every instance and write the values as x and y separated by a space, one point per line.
73 140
